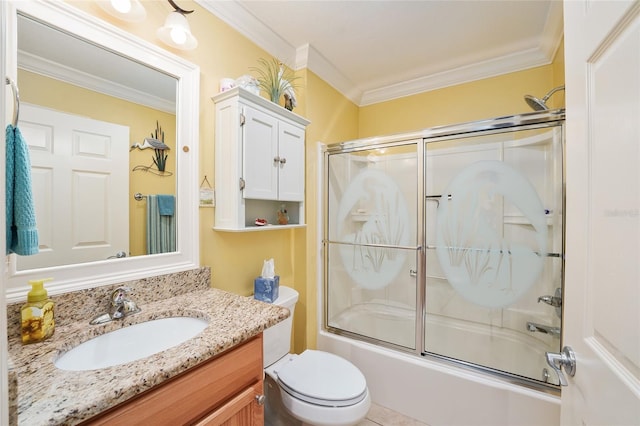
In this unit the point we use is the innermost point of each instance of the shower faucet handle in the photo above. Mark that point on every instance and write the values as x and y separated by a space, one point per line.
555 300
551 300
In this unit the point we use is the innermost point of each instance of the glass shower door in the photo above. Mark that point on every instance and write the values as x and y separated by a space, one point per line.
371 243
493 233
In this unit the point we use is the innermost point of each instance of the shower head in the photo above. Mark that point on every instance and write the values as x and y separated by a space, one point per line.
541 104
535 103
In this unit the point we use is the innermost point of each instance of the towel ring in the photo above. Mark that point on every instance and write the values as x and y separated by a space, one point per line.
16 101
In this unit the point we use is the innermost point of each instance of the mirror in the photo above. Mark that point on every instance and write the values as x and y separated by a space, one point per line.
113 88
81 147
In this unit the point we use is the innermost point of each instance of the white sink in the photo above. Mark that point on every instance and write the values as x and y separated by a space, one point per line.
130 343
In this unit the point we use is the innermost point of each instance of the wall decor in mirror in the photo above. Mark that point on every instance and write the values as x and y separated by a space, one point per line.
91 93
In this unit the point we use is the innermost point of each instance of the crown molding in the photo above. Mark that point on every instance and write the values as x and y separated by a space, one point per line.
236 16
477 71
232 13
553 31
75 77
307 56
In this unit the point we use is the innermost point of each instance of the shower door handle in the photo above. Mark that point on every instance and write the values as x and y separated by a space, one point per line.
566 359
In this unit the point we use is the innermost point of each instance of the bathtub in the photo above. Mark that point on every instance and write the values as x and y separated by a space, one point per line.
438 392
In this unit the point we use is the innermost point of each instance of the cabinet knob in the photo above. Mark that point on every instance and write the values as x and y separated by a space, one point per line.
283 160
260 399
276 159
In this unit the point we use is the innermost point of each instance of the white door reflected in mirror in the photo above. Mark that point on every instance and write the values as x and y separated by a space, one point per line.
91 221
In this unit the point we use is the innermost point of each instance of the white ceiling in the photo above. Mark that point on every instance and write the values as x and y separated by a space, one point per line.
372 51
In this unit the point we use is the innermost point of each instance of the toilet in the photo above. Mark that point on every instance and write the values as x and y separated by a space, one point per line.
314 388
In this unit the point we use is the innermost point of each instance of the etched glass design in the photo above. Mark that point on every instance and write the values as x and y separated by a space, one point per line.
493 219
374 200
480 263
371 250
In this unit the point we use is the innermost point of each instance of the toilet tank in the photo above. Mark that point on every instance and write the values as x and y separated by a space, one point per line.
277 339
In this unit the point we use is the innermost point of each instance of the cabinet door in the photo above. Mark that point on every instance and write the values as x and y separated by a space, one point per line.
260 152
291 164
243 410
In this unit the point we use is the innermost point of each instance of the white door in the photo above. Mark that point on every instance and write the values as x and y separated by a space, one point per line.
602 288
260 153
80 180
291 168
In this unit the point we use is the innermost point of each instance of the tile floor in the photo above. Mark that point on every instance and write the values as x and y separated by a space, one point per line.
381 416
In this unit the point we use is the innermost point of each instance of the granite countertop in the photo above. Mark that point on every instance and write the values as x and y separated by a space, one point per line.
47 395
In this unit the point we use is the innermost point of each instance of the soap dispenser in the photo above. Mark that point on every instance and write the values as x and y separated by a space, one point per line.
37 314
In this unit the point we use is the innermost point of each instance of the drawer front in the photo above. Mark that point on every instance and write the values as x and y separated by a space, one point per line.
195 393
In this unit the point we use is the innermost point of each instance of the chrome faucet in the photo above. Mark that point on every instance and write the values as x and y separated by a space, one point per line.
551 300
119 307
546 329
555 301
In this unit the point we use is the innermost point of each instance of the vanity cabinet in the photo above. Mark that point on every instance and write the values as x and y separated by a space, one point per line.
226 390
259 162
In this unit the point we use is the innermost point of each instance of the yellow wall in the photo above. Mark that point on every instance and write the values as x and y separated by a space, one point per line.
236 258
141 121
488 98
333 119
557 100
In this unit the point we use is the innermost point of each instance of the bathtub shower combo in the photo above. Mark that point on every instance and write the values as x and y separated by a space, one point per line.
445 248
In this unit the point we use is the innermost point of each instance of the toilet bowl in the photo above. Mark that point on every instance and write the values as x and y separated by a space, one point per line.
317 388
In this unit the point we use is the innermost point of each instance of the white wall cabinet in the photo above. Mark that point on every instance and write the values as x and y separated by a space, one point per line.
259 162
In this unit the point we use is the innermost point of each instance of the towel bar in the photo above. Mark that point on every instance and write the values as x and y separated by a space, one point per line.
16 101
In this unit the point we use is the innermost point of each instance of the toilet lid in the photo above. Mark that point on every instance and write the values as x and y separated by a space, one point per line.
324 379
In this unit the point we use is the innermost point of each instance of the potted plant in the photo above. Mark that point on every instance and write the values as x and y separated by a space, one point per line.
277 81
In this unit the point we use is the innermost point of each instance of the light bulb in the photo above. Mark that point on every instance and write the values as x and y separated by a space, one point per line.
122 6
127 10
178 35
176 32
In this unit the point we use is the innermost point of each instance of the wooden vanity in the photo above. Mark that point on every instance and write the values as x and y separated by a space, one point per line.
227 390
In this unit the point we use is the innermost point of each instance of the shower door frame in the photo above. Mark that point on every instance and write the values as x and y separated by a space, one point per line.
526 121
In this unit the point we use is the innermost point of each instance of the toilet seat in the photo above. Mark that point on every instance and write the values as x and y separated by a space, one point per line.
322 378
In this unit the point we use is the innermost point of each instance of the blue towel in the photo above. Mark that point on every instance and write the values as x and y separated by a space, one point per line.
166 205
22 235
161 230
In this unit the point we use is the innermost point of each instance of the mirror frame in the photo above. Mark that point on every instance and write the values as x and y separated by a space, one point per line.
94 274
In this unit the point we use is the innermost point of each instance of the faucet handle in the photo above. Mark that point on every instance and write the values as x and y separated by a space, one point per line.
551 300
555 300
118 295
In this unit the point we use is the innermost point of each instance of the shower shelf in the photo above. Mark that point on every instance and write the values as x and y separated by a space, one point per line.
522 220
360 217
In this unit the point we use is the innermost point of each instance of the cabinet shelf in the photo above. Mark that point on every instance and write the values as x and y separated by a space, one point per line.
260 228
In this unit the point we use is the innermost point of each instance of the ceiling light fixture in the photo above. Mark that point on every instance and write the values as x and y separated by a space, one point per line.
176 32
126 10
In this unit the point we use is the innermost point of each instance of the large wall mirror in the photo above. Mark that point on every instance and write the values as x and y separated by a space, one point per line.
107 116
